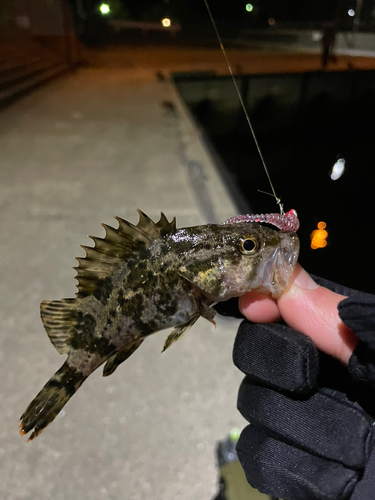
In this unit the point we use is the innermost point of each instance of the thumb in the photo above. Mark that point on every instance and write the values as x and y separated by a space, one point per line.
312 309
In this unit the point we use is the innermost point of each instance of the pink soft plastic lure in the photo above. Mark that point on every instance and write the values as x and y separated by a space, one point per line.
284 222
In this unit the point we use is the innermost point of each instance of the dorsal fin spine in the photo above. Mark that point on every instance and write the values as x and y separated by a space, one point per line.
147 225
112 234
103 245
110 252
93 253
128 229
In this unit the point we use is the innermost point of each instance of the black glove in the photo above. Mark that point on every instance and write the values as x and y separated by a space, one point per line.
311 434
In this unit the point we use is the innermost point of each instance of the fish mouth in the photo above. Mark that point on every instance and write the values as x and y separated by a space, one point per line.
280 265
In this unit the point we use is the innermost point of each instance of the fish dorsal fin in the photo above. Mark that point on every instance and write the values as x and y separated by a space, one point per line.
101 261
166 227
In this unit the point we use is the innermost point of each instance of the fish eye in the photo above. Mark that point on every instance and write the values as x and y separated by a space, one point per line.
248 245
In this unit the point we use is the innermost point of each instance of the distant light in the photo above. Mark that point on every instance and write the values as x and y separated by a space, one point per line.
351 13
249 7
166 22
338 169
104 9
271 21
319 236
316 36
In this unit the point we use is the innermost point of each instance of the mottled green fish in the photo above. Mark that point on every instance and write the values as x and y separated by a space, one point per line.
144 278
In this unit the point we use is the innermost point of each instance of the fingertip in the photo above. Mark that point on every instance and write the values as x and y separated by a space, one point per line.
259 308
302 279
312 310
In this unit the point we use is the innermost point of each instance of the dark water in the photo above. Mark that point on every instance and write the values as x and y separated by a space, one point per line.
304 123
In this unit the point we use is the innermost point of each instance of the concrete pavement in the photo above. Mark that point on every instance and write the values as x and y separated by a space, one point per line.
73 154
252 58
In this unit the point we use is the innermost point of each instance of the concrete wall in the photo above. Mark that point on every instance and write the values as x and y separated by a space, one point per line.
23 22
273 100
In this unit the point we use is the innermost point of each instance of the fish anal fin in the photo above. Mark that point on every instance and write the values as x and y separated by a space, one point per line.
114 361
59 318
178 332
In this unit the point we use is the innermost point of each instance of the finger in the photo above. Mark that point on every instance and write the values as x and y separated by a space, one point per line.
345 436
306 307
312 310
259 308
276 355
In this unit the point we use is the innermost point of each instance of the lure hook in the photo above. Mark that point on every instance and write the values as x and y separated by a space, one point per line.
278 200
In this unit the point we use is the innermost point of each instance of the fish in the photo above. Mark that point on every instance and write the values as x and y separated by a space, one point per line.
140 279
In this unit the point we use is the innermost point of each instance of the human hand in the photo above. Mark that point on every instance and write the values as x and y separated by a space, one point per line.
311 434
308 308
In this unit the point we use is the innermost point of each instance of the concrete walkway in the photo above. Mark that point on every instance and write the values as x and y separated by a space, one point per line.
73 154
253 58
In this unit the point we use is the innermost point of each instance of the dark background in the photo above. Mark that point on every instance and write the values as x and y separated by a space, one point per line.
304 123
231 16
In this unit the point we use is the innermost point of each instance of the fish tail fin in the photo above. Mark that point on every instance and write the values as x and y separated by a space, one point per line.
51 399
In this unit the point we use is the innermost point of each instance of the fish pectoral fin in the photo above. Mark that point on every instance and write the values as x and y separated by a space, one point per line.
178 332
207 312
114 361
205 276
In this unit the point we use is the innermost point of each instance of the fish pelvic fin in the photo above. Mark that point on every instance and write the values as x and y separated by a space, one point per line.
59 318
207 312
51 399
114 361
178 332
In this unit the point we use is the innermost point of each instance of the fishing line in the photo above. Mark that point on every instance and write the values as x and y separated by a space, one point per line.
278 201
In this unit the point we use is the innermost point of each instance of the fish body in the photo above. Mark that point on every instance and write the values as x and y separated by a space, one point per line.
141 279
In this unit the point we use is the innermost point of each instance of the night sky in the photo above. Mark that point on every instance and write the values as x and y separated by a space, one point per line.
306 11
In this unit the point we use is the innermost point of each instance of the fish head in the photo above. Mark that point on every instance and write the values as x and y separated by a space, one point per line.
227 261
